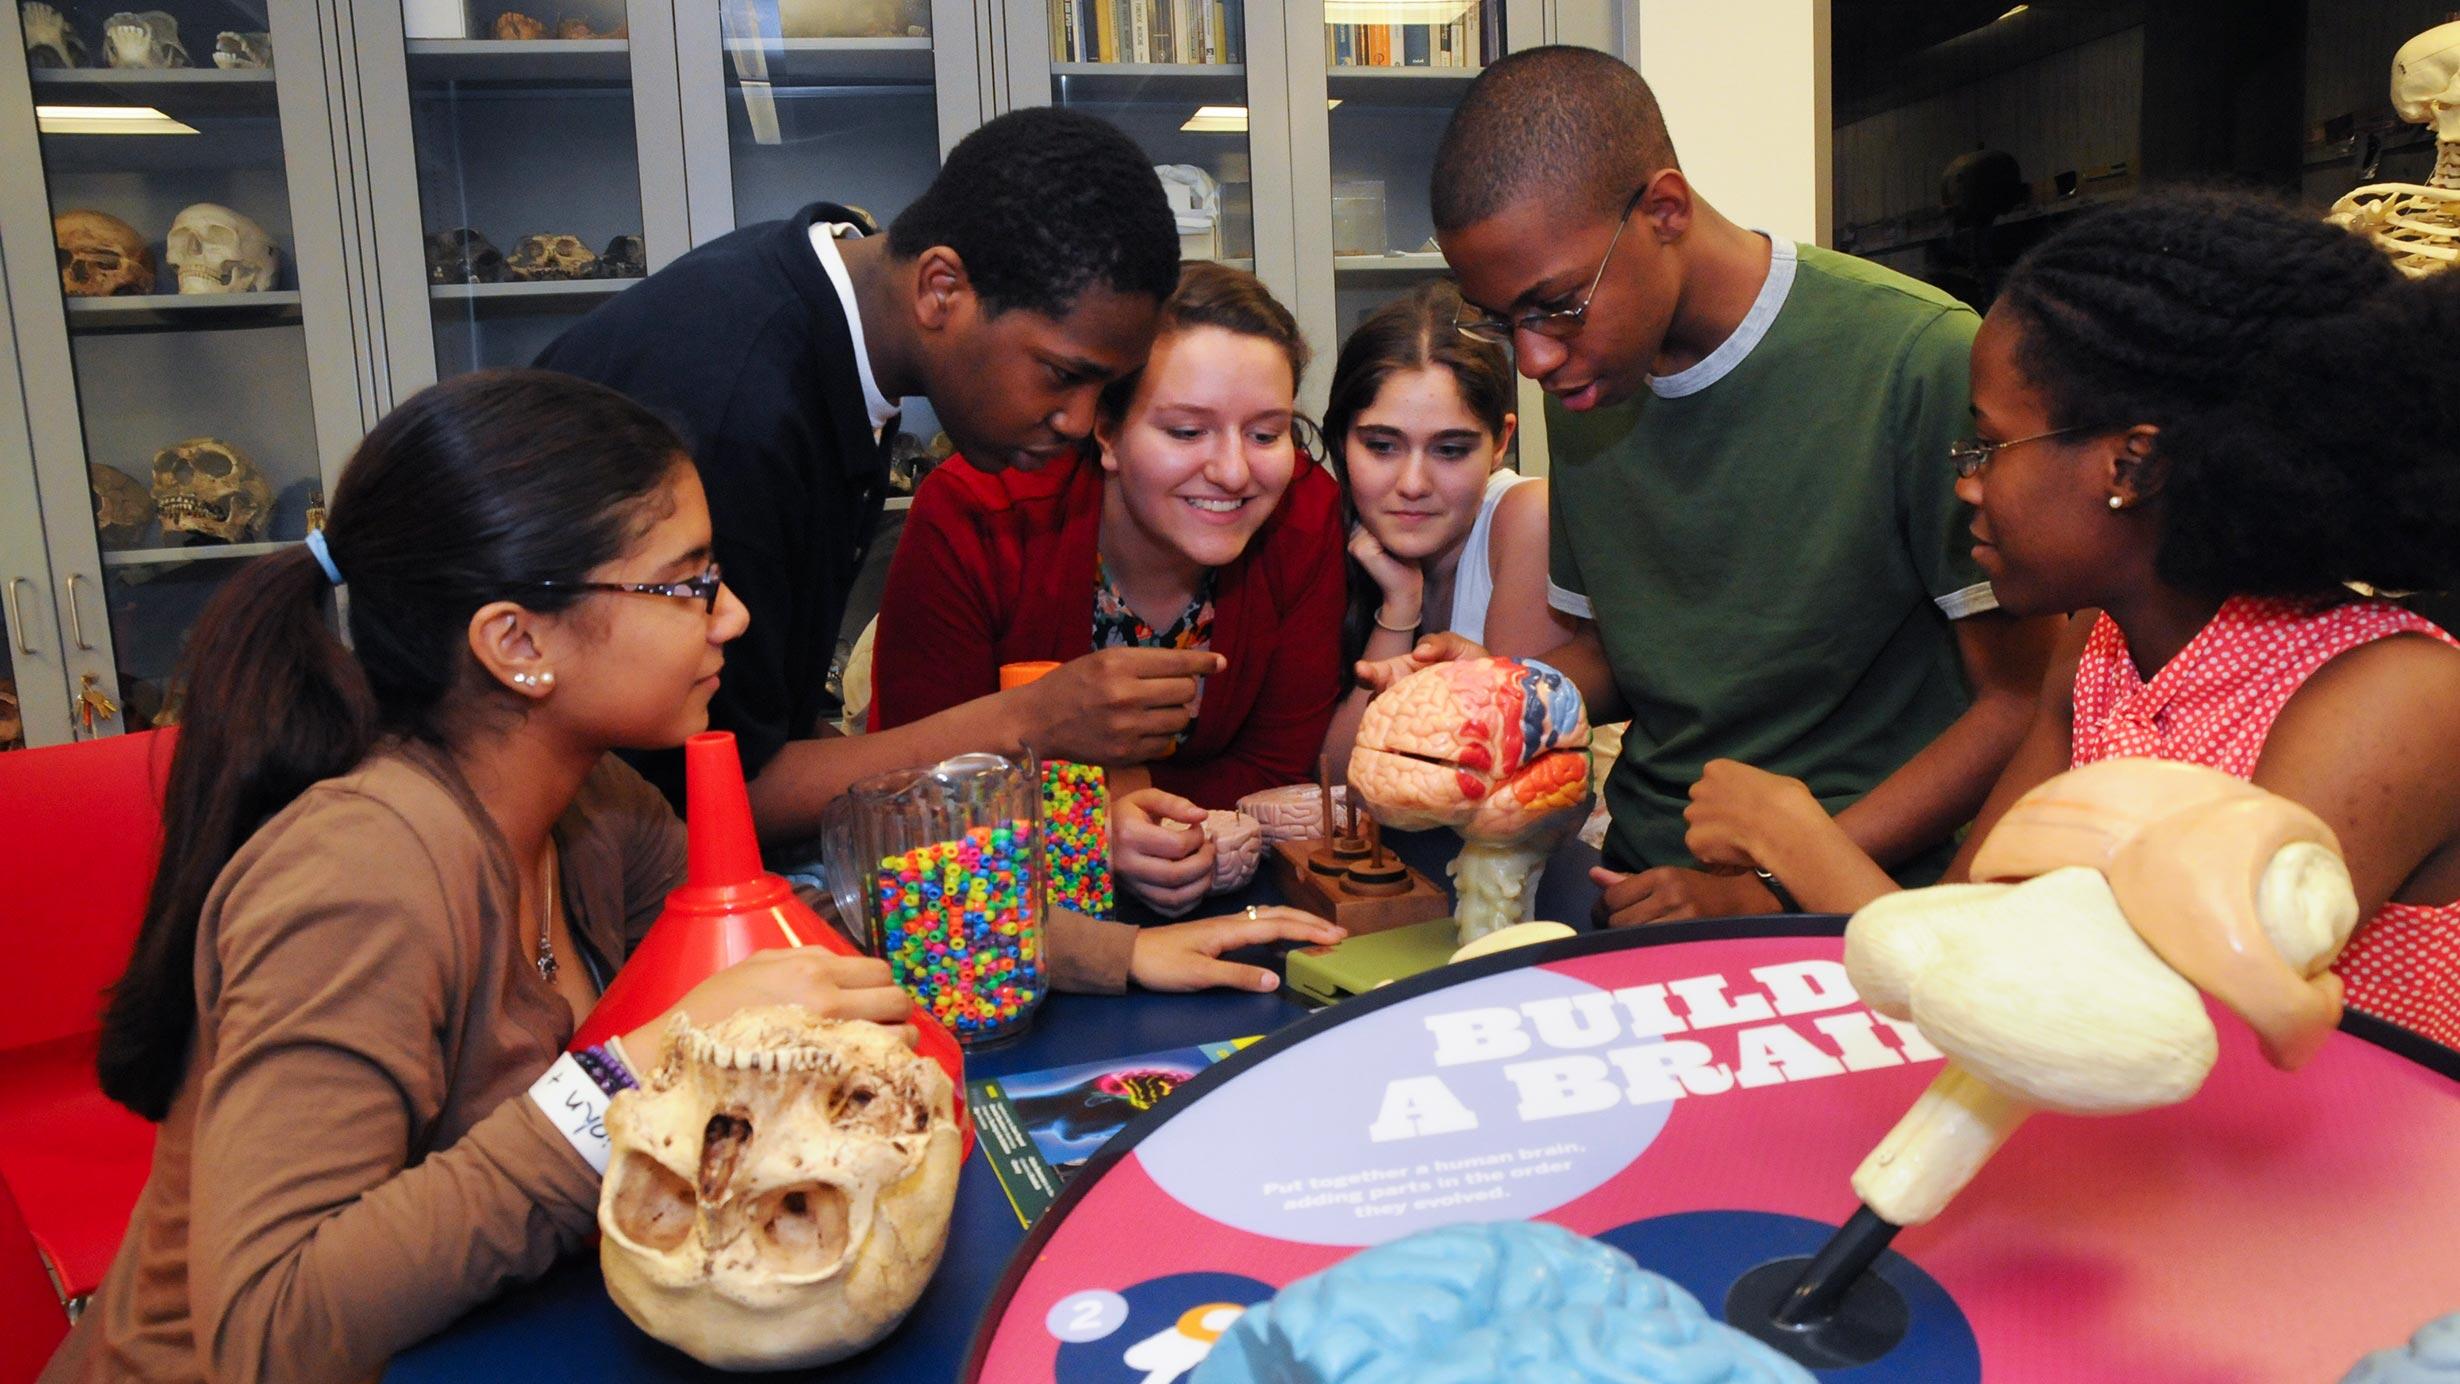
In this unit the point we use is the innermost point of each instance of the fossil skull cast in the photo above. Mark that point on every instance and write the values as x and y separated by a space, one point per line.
148 40
123 507
205 485
49 40
626 257
217 250
2418 225
2144 883
1496 749
778 1189
545 257
234 51
512 26
12 716
463 256
101 256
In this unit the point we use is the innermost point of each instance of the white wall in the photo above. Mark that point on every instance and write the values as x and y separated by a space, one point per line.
1744 86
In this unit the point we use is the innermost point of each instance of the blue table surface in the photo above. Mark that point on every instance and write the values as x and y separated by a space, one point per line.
564 1327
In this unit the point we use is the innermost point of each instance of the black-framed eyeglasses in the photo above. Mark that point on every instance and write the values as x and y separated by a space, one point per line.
703 588
1559 324
1972 454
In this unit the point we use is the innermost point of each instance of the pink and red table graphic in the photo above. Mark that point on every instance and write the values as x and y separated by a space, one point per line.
1699 1095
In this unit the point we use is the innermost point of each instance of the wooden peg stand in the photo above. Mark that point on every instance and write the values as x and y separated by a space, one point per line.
1349 877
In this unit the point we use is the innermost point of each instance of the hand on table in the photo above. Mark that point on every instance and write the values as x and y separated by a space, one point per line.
1670 893
1734 807
1158 850
820 980
1435 648
1119 706
1187 956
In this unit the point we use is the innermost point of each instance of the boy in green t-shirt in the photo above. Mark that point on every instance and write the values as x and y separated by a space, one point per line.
1753 503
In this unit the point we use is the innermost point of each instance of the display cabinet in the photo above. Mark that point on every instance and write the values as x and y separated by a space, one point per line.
171 257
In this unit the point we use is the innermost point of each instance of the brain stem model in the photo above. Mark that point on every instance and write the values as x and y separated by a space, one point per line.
2077 990
1497 750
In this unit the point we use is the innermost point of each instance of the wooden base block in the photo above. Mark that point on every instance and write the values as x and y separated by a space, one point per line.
1356 912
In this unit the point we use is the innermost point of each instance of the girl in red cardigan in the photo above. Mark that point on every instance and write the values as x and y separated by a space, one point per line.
1194 521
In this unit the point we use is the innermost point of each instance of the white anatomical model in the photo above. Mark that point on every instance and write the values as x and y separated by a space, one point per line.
1497 750
217 250
2418 225
2145 883
777 1191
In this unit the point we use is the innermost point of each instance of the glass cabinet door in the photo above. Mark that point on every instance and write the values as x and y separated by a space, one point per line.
827 101
161 152
1174 75
1394 69
528 169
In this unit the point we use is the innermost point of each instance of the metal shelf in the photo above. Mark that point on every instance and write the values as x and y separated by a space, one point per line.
182 311
1396 262
1399 86
1149 81
524 62
832 62
203 552
173 90
544 288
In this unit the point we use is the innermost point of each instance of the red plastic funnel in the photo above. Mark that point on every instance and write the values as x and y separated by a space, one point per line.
728 908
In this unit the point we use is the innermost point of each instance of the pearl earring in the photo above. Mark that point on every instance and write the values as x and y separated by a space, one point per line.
2117 503
546 679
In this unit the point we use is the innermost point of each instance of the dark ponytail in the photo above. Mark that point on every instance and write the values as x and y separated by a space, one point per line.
1416 330
2308 437
472 491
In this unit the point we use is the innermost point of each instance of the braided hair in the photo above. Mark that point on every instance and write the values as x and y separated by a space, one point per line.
2308 433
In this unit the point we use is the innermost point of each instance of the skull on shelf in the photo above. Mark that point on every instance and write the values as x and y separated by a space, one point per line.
144 40
12 716
579 28
778 1188
512 26
205 485
242 50
217 250
463 256
626 257
545 257
101 256
49 40
123 507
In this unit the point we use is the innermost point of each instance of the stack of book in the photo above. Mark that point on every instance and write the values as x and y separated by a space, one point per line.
1191 32
1473 39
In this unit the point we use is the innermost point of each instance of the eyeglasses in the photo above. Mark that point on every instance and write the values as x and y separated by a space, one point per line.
1973 454
703 588
1559 324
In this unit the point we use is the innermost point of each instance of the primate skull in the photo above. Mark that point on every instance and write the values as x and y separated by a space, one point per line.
217 250
463 256
778 1189
146 40
205 485
12 717
573 28
49 40
513 26
2426 91
123 507
626 257
540 257
242 50
101 256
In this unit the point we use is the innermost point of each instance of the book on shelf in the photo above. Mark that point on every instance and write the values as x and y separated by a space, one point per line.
1186 33
1471 40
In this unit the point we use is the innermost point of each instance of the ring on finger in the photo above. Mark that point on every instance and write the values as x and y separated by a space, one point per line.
1251 913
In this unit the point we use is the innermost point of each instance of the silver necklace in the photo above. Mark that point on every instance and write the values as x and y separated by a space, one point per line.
547 904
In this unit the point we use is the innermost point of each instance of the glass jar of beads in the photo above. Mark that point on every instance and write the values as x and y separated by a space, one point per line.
1075 821
940 873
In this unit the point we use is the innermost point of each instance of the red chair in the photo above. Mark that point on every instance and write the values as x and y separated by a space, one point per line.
79 829
32 1321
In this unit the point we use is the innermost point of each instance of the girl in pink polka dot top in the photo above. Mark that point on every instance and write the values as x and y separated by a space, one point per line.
2205 423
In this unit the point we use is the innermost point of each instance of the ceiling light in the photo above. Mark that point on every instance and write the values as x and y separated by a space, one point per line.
106 120
2011 14
1395 11
1226 120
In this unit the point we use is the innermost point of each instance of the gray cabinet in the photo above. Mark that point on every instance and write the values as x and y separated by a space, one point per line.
445 184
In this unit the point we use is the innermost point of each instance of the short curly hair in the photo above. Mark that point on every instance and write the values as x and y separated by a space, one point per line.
1043 204
1574 126
2308 430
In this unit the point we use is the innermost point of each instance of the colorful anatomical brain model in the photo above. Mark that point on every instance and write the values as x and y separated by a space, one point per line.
1496 749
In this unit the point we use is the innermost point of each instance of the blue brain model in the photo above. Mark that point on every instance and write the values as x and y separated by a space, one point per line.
1483 1304
2432 1357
